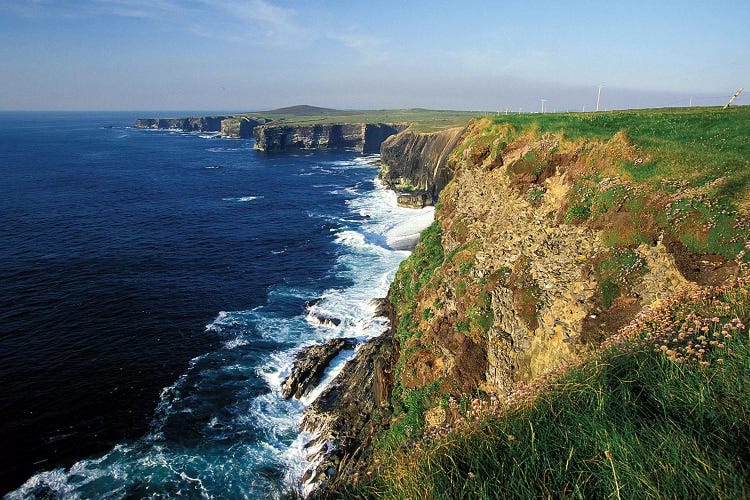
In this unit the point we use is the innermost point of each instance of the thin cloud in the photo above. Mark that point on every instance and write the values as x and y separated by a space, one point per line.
255 22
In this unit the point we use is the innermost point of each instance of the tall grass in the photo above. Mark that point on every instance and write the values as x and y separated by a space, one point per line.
698 144
630 421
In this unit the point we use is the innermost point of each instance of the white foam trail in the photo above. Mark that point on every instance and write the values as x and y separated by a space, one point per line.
243 199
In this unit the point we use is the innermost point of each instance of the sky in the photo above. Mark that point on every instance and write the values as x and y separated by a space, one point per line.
247 55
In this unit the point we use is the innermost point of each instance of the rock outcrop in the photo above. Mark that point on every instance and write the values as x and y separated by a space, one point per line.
363 137
417 164
343 418
309 366
189 124
523 276
239 127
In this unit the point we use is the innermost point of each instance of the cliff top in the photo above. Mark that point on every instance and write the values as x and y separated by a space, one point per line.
696 145
421 119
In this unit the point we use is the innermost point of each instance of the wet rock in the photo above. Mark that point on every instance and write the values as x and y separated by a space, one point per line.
318 316
309 366
342 416
382 307
324 319
419 199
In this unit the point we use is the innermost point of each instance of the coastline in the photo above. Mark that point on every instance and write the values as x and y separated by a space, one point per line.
231 459
331 434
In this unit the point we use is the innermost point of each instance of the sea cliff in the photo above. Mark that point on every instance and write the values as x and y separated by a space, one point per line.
416 164
279 133
546 244
188 124
363 137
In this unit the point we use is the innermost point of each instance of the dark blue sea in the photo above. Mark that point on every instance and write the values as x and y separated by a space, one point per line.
152 293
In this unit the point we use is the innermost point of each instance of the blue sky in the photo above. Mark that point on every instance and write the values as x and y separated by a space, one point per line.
258 54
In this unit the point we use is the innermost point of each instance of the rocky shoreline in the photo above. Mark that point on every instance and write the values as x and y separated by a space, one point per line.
356 405
271 136
353 408
342 419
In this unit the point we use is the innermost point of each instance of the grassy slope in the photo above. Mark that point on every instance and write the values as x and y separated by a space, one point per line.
650 415
698 144
629 421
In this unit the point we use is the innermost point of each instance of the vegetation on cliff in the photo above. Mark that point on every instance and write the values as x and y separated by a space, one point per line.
555 233
661 411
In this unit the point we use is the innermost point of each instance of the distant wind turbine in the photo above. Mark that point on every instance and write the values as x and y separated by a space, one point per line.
599 96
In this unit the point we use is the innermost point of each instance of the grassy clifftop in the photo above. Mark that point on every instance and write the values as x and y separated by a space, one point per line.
574 323
422 119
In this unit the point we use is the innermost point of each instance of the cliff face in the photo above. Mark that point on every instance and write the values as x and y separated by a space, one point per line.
239 128
189 124
517 276
419 164
363 137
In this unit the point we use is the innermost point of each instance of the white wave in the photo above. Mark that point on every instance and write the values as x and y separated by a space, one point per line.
334 368
230 463
243 199
352 239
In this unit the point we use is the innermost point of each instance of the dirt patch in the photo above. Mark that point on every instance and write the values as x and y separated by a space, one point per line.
599 325
703 269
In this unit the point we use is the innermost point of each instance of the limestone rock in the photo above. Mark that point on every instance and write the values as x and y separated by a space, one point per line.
362 137
419 159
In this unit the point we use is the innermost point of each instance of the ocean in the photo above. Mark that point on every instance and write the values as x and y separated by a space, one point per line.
152 298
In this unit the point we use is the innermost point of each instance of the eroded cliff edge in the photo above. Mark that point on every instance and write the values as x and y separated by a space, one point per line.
416 164
540 250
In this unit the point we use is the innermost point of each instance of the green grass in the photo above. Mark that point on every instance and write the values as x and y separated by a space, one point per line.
696 144
415 272
630 422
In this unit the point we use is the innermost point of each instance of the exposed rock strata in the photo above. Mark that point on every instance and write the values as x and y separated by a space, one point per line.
518 291
414 200
419 162
363 137
341 418
239 127
309 366
189 124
